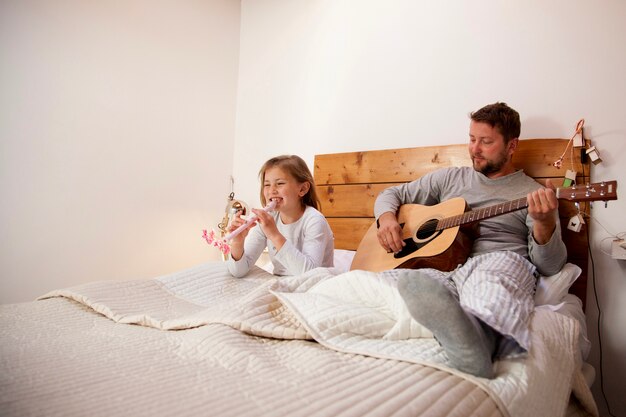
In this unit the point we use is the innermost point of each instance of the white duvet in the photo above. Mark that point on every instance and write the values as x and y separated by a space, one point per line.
355 312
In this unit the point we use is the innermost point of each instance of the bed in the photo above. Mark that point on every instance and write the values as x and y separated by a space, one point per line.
331 342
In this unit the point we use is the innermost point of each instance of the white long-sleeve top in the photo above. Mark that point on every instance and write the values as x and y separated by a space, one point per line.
309 244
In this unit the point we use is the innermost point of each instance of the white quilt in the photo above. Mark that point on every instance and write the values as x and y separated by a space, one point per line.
355 312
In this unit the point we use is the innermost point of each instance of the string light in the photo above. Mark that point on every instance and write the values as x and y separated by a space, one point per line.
579 127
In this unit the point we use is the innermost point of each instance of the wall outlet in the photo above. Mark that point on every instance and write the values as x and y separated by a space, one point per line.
618 249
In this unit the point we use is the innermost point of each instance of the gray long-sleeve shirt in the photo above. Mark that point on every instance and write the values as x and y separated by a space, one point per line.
508 232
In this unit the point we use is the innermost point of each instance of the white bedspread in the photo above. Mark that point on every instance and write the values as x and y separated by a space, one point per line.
356 312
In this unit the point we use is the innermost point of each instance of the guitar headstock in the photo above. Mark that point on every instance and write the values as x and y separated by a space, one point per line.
600 191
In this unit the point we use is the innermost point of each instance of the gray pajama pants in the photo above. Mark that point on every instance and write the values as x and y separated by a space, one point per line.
498 288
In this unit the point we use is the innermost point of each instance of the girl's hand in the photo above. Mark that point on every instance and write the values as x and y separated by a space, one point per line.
268 225
236 243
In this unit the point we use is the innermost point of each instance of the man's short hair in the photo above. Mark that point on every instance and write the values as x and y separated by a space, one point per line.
501 117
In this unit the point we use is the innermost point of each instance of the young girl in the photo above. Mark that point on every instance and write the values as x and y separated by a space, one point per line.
296 234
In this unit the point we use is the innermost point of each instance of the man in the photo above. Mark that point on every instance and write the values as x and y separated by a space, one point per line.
482 309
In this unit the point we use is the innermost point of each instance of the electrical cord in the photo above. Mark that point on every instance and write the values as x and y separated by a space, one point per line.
619 236
611 237
599 325
597 299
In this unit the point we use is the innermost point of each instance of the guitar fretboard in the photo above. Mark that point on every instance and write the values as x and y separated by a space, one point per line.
605 190
482 213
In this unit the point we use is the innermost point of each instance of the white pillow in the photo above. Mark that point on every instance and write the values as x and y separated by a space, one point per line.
553 289
573 307
343 259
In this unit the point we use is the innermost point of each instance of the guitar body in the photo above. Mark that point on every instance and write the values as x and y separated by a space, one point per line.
437 236
425 248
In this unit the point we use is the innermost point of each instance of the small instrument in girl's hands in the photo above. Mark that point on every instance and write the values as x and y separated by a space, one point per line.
222 243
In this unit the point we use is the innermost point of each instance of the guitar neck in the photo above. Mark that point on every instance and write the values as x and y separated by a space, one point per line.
476 215
605 191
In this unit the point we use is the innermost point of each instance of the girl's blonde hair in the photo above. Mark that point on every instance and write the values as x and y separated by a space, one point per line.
297 168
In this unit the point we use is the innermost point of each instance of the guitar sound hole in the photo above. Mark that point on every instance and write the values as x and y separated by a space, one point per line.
425 234
427 230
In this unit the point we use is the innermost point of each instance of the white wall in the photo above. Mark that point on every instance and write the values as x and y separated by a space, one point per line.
319 76
117 118
117 121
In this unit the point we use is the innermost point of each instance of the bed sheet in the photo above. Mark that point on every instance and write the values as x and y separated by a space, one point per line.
63 359
345 313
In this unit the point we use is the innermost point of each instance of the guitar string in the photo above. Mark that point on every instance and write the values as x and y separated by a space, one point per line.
476 215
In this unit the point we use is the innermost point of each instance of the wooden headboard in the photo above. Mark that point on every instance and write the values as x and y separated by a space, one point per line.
348 184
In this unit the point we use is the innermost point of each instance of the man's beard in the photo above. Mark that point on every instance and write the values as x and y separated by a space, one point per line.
491 167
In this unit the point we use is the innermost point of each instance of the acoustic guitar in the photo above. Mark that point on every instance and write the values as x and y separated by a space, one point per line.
440 236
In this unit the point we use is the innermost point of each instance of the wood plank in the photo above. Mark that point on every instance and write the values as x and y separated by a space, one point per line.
391 166
349 200
349 231
535 156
